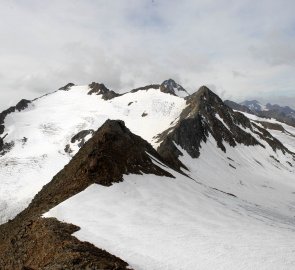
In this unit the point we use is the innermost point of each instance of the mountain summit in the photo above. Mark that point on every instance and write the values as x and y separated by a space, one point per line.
173 88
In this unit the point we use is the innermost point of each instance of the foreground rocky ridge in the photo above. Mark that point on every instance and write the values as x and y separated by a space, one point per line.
32 242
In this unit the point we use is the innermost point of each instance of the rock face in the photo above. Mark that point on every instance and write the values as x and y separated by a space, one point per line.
6 146
237 106
79 139
206 115
168 86
101 89
48 244
147 87
173 88
32 242
273 126
23 104
67 87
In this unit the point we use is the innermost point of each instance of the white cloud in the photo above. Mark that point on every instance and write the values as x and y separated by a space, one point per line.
244 48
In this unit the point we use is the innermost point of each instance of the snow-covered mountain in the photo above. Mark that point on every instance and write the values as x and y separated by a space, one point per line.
254 105
200 186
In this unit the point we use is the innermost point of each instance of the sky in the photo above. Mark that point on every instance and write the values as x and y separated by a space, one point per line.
242 49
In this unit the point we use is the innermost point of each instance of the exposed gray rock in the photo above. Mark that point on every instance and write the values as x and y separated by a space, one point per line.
206 115
101 89
21 105
237 106
67 87
169 87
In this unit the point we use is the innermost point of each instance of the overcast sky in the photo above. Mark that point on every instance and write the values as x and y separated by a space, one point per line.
241 49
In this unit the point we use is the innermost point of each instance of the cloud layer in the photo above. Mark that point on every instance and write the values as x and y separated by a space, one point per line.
239 48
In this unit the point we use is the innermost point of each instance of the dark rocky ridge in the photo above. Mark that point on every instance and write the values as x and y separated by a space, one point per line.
46 243
199 119
166 87
147 87
237 106
21 105
101 89
67 87
42 243
270 125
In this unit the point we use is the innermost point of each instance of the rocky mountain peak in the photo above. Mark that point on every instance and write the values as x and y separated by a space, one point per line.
111 152
206 115
101 89
171 87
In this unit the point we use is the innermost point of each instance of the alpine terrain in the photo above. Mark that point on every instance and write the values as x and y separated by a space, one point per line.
155 178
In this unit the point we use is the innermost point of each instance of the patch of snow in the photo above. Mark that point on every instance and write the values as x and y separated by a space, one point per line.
162 223
42 131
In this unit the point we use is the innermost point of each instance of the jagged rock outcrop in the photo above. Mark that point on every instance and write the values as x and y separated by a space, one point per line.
79 139
270 125
21 105
168 86
67 87
206 115
41 243
171 87
101 89
48 244
147 87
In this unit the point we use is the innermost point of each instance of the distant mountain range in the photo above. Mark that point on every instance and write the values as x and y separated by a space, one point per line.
283 114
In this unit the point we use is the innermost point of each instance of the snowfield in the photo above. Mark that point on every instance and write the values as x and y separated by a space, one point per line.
162 223
234 211
42 131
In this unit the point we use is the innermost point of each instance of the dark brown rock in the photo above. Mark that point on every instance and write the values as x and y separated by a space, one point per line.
101 89
67 87
205 115
32 242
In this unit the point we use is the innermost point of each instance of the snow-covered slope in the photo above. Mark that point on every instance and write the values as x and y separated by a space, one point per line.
41 132
231 208
286 135
235 210
220 218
